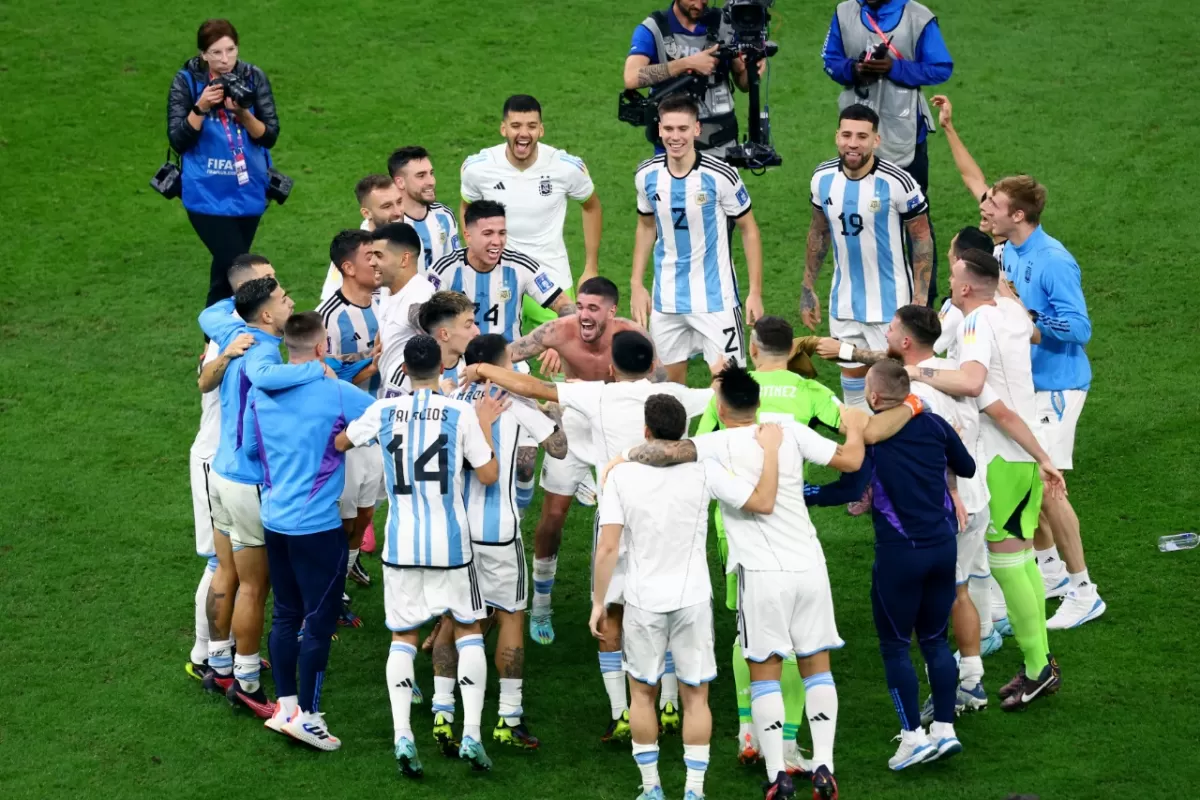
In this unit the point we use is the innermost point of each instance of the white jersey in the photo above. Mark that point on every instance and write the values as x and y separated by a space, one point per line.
427 439
871 273
351 330
535 199
396 325
438 231
397 382
617 411
693 268
665 517
997 336
784 540
333 278
963 415
497 293
492 510
951 318
209 434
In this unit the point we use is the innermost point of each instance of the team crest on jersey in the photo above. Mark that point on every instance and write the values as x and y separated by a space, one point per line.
506 294
442 237
1028 272
701 198
873 206
544 187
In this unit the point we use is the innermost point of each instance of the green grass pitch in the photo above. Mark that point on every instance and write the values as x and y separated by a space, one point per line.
100 282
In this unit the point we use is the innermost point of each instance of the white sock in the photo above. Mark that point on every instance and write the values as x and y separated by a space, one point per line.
246 669
695 758
543 584
510 700
352 560
1048 560
669 692
288 705
646 756
400 680
220 656
941 730
443 697
821 705
999 607
854 394
980 592
766 707
970 671
472 682
200 646
614 683
1079 580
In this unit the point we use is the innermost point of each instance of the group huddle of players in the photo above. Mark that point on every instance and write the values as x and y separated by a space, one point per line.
443 421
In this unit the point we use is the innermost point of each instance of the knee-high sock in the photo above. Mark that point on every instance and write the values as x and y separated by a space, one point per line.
669 685
1028 623
472 682
854 393
646 756
1034 575
980 592
614 682
741 680
822 701
400 684
543 584
792 686
524 492
766 705
200 646
695 760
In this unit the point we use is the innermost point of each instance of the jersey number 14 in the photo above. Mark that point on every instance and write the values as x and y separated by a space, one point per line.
492 316
422 471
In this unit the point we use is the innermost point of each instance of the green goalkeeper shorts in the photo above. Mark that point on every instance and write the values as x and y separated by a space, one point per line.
1016 502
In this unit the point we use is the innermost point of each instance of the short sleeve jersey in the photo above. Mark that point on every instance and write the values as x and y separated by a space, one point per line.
497 293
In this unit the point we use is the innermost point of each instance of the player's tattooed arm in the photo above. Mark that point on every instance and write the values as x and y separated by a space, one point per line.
816 248
563 305
922 257
653 74
663 453
526 462
659 375
556 444
868 356
535 342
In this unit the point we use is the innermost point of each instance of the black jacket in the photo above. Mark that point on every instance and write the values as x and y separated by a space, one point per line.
181 98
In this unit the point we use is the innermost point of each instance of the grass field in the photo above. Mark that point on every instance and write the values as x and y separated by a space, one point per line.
101 281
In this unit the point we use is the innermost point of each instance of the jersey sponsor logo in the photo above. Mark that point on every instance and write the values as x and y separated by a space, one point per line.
542 282
442 237
701 198
743 196
828 201
1028 272
545 187
499 186
656 198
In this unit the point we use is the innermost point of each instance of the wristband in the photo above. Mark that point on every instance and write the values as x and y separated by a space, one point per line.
914 403
625 454
846 352
196 110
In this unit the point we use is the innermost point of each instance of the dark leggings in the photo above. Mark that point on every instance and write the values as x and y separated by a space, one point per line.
919 170
226 238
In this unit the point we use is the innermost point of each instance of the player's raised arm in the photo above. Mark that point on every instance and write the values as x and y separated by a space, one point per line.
593 225
816 248
972 176
214 371
536 342
510 380
966 381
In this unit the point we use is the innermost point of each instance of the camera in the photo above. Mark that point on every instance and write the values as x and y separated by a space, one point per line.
168 180
236 89
877 52
279 186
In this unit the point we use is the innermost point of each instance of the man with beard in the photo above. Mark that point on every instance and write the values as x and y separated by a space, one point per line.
379 204
397 251
412 172
533 181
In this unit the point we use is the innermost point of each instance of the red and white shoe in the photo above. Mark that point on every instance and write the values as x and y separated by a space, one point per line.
368 542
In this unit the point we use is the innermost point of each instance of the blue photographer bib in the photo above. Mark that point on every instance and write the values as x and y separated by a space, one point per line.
210 169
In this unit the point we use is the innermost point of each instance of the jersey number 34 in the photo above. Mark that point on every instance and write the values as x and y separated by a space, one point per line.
422 471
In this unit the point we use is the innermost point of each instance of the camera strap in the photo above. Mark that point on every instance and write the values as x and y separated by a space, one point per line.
875 27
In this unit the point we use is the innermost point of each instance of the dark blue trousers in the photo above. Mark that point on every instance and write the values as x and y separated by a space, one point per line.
913 590
308 573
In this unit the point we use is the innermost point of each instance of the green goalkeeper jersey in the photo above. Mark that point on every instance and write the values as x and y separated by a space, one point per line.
783 394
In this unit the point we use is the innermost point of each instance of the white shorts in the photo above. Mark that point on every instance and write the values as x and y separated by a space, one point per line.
364 474
615 596
972 548
1059 414
236 510
780 613
686 633
201 509
414 595
716 335
867 335
503 574
564 475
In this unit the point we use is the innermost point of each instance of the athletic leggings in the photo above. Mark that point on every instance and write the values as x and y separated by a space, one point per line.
226 238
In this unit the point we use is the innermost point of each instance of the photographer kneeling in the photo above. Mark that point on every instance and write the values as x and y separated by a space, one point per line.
221 119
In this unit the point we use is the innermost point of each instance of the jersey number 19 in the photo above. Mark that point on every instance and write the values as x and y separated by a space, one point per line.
421 469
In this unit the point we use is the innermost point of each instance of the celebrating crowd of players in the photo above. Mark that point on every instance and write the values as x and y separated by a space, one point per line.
408 385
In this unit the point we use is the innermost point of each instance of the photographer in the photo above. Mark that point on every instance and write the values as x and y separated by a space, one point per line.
685 39
221 119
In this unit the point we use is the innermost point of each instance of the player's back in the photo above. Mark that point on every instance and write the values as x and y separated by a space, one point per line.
231 461
1000 335
784 395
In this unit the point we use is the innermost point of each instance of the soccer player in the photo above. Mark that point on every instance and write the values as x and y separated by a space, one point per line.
684 201
1048 280
913 578
289 433
663 516
862 206
262 309
218 582
427 440
993 350
533 181
972 176
397 253
350 317
412 172
785 604
379 202
449 317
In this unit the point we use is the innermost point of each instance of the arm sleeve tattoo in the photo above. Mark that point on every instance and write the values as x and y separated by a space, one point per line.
660 453
651 74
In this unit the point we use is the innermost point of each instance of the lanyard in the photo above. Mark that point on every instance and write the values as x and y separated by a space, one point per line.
875 27
229 136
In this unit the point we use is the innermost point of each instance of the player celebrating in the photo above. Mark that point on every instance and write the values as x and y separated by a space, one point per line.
412 172
684 201
533 181
427 440
379 202
663 514
863 206
397 252
449 317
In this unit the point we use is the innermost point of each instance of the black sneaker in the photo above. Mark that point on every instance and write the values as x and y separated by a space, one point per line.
824 785
1046 684
1013 686
359 575
779 788
197 671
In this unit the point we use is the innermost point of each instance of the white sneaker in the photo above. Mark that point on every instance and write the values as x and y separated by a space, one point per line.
795 763
914 748
280 718
945 742
310 729
1079 606
1054 579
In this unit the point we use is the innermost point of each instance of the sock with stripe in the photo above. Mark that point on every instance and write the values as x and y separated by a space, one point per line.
246 669
524 493
792 686
510 700
820 695
443 697
543 584
695 758
1023 601
614 683
220 656
1034 575
741 682
854 393
200 645
400 681
472 682
766 706
669 685
646 756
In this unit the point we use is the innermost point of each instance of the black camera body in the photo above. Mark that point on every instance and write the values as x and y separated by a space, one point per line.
168 180
236 89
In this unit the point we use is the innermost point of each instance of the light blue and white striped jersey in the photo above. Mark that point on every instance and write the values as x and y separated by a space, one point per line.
871 273
399 383
497 293
693 270
351 330
492 512
439 235
427 439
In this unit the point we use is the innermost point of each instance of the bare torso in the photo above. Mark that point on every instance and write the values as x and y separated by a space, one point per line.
586 361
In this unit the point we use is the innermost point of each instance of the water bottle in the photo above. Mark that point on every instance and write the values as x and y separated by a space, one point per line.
1178 541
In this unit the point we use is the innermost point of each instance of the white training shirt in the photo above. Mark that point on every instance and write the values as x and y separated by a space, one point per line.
693 268
963 415
785 540
535 199
951 318
426 439
497 293
997 336
395 327
208 436
665 517
438 231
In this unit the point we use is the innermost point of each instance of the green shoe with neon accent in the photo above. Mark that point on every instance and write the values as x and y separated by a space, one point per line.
668 718
515 735
618 729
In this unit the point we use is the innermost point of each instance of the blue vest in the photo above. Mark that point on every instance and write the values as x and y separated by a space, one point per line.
210 184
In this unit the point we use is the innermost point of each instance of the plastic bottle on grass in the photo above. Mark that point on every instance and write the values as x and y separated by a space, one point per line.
1178 541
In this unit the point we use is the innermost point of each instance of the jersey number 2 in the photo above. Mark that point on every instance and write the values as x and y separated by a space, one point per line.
680 215
492 317
421 469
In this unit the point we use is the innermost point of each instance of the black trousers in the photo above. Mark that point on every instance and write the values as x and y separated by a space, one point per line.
226 238
919 170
